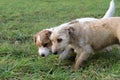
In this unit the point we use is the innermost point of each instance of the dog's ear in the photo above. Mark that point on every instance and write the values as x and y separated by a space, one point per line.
70 30
48 33
35 39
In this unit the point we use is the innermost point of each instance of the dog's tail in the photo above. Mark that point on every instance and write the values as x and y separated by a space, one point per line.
111 10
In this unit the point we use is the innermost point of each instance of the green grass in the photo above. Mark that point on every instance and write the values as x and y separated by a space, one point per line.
21 19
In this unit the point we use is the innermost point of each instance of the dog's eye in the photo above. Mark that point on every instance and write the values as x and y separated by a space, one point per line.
45 45
59 40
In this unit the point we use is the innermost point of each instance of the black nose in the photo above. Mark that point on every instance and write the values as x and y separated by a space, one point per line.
55 52
43 55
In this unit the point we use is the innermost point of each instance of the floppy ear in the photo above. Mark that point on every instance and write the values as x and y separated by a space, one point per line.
70 31
48 33
35 39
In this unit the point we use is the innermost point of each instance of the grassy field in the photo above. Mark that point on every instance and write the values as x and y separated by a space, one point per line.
21 19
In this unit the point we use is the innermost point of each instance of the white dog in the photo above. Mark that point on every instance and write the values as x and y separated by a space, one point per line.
86 37
43 42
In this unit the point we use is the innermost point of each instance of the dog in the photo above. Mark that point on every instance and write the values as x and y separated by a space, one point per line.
86 37
41 39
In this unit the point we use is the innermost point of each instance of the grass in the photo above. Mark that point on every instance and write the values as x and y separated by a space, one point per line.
21 19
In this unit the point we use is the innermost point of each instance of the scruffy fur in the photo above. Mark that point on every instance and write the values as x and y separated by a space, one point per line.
41 39
87 37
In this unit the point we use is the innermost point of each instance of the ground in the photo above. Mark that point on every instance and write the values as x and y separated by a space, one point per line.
21 19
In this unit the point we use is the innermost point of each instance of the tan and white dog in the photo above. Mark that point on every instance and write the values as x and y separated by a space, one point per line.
43 42
86 37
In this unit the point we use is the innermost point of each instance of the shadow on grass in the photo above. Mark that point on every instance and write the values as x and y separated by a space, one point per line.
101 60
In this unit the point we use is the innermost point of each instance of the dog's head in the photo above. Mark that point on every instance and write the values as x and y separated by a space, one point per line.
60 38
41 39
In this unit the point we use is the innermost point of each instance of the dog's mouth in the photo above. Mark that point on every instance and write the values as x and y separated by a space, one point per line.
59 51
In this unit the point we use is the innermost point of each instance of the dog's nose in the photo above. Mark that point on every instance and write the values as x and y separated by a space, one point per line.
43 55
55 52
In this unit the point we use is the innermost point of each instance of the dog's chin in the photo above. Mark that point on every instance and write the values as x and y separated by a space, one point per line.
61 51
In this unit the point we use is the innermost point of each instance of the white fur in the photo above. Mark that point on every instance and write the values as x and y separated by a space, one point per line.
50 29
86 19
38 38
44 51
111 10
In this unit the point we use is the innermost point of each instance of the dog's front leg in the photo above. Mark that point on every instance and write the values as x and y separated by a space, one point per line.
86 51
79 61
78 51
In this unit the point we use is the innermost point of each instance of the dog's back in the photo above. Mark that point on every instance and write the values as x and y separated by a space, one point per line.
104 32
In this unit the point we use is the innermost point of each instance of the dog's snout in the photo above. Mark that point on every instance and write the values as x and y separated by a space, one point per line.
55 52
43 55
